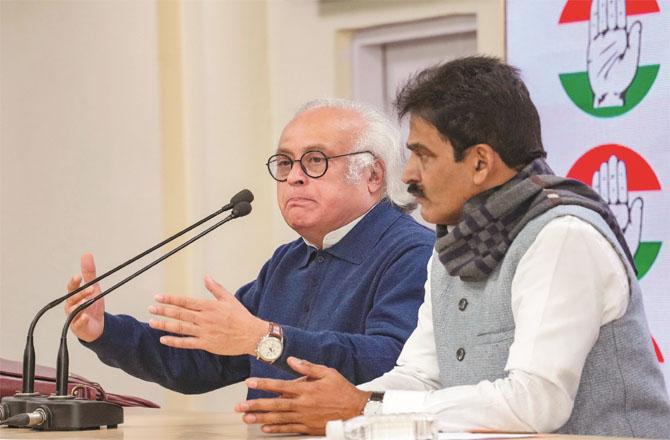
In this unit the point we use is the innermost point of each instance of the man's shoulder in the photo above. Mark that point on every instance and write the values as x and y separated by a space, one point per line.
296 246
578 229
405 227
404 238
386 224
567 218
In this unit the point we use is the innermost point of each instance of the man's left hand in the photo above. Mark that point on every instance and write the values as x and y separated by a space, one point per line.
220 326
305 404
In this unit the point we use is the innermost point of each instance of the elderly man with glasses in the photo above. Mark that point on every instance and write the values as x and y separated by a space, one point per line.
345 294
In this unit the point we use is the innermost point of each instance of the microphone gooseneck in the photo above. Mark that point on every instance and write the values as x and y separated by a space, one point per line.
28 383
240 209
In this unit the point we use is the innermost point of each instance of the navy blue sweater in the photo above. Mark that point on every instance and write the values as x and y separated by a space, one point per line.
350 307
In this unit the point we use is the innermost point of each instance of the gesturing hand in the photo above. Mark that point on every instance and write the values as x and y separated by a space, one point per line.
613 52
305 404
221 326
89 323
611 182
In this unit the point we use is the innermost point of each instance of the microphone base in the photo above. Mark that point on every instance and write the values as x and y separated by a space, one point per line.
76 414
16 404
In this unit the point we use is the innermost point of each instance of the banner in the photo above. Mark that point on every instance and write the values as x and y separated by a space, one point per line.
599 74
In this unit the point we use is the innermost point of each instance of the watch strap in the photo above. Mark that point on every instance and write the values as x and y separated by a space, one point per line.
276 330
376 396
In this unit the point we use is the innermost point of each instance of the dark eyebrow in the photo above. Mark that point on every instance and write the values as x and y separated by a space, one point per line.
418 147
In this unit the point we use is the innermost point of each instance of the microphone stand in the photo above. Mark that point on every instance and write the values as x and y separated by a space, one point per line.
18 404
64 412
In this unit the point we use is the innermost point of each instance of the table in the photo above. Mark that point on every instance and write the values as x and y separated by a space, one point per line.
146 424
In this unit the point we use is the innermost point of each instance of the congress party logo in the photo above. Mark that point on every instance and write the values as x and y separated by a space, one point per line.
623 179
613 81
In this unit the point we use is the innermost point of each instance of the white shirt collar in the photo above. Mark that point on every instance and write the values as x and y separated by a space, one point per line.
333 237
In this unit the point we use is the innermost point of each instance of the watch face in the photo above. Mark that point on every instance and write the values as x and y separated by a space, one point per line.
270 348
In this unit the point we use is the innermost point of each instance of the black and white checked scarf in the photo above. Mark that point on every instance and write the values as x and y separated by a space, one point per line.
491 220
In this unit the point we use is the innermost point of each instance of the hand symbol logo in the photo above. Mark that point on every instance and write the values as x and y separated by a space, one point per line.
611 182
613 53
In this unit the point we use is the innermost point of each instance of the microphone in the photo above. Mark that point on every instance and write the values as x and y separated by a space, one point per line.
239 203
239 210
242 208
243 196
28 385
63 411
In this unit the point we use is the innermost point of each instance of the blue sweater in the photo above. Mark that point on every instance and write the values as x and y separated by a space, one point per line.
350 307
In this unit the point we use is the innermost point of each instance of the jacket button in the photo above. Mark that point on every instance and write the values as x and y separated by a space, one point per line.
320 259
460 354
462 304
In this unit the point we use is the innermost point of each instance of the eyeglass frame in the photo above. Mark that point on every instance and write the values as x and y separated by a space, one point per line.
302 167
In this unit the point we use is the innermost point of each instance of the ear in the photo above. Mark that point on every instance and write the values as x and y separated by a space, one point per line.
482 160
376 176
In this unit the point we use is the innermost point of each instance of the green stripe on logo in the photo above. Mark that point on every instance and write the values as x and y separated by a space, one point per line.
577 87
645 256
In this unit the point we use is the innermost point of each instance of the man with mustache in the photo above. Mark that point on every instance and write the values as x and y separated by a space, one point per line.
533 318
344 294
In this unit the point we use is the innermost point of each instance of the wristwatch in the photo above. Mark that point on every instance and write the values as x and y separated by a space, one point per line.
375 403
271 346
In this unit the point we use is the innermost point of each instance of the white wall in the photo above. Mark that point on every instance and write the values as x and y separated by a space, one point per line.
124 121
81 163
227 137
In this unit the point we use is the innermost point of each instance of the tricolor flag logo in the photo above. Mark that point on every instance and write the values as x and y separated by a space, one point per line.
612 82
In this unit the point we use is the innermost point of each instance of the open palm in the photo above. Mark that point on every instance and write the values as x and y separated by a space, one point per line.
613 52
611 182
89 323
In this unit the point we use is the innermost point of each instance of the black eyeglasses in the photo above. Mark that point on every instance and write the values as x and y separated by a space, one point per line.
314 163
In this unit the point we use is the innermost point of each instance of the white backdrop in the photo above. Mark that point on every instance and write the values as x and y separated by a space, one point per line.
601 83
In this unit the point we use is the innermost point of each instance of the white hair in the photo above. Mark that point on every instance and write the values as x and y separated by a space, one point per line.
380 136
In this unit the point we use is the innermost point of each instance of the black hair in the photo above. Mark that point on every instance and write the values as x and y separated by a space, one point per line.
477 100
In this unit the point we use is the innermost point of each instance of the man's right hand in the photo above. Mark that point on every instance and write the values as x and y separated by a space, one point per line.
90 322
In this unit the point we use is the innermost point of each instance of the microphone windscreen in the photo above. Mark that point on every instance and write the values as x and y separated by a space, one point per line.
241 209
243 196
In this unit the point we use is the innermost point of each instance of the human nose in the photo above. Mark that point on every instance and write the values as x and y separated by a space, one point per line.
296 176
410 173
